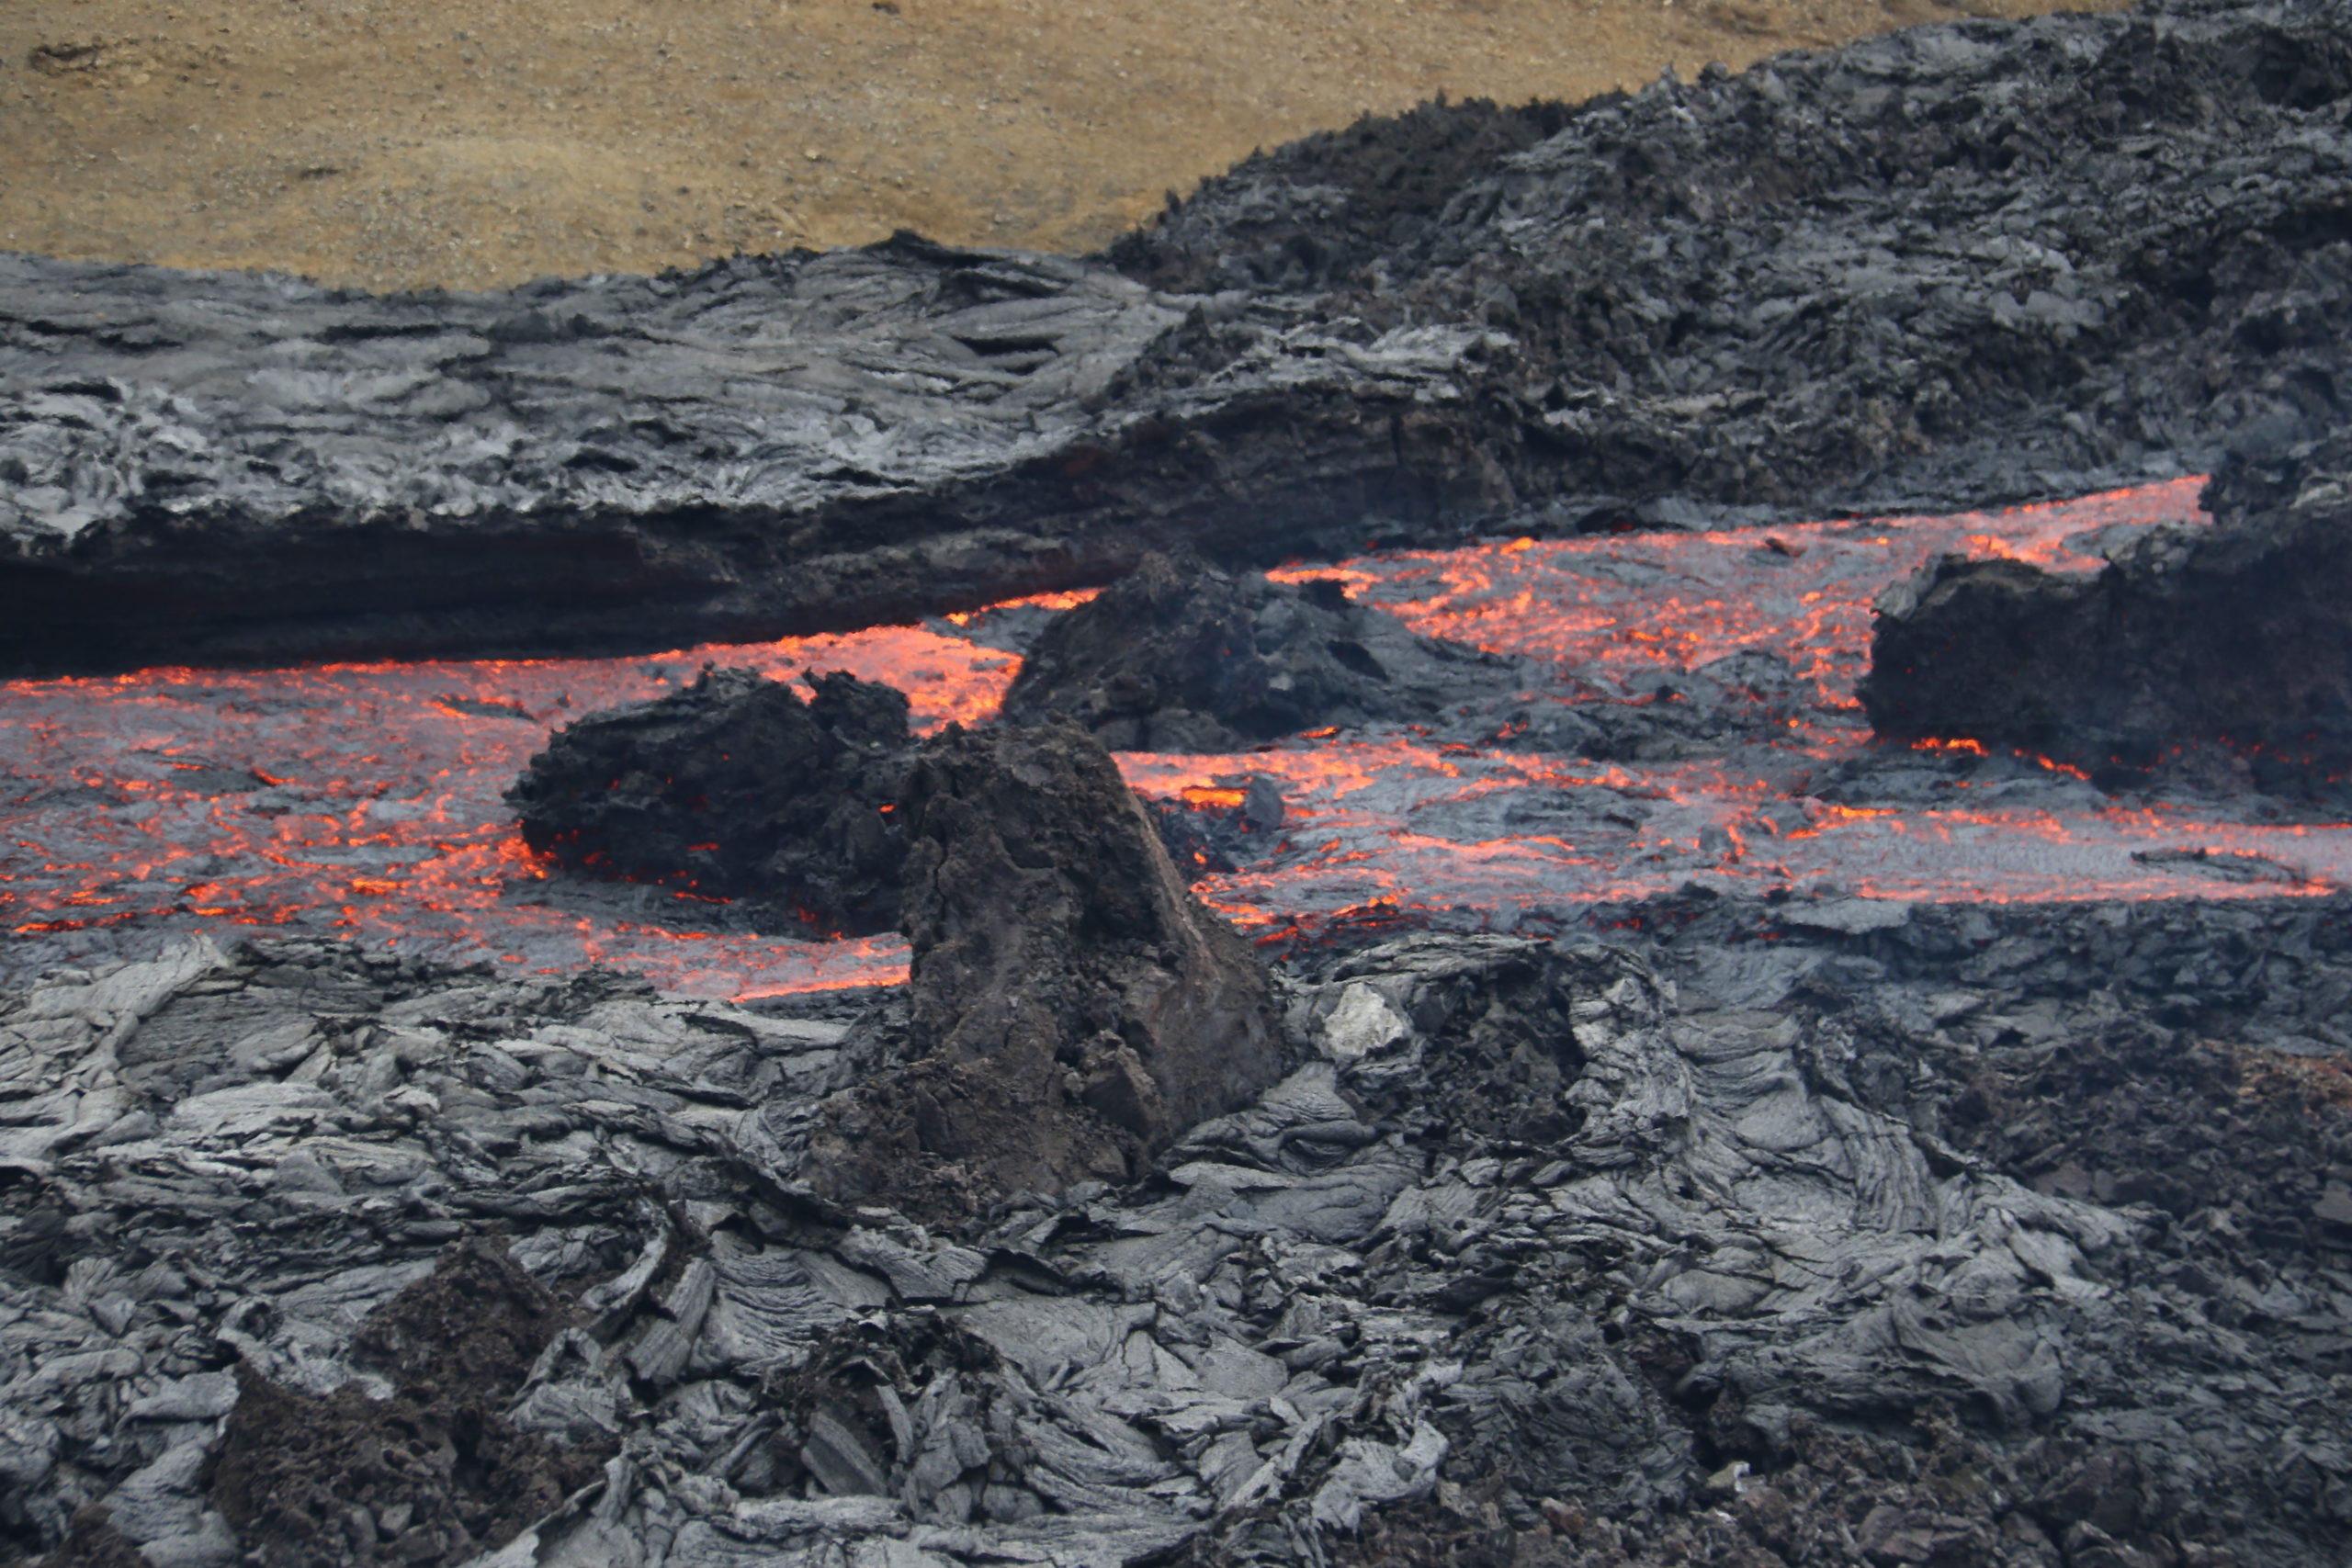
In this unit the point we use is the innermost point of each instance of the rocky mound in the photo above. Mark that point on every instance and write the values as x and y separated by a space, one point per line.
1072 1009
1178 655
2236 638
735 787
436 1473
1741 1239
1963 264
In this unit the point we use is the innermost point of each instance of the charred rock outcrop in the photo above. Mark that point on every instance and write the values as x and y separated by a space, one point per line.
737 787
1963 264
1178 655
2235 639
1072 1009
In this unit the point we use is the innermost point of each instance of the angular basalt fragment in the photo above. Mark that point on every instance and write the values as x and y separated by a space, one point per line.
1178 656
735 786
1073 1008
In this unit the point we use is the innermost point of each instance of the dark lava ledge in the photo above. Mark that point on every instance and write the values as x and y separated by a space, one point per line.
2219 655
735 787
1964 264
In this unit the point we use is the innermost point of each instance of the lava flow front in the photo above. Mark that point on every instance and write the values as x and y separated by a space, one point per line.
363 800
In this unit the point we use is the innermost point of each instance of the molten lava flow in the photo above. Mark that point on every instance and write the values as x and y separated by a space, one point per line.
1397 826
364 798
1063 599
362 801
1613 606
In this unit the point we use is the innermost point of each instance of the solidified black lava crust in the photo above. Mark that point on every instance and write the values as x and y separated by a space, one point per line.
735 787
1741 1235
1178 655
2232 641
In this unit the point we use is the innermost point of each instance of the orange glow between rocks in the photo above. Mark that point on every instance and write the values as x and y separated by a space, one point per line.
1061 599
362 800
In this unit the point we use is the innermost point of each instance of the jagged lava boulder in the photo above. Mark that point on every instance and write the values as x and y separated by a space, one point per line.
1178 656
738 788
2239 635
1073 1008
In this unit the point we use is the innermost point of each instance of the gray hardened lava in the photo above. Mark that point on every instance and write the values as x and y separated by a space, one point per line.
1966 264
1809 1228
1736 1237
2232 643
735 787
1072 1009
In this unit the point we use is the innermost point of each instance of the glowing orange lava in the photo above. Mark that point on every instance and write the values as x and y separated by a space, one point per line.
365 797
363 800
1609 606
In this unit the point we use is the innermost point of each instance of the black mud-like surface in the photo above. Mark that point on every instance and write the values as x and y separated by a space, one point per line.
2227 648
1178 655
1972 263
735 787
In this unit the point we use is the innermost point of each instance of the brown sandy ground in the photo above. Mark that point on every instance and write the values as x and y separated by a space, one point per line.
402 143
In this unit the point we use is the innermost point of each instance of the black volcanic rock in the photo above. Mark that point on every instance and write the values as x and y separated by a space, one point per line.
1339 199
1178 655
1978 262
2237 637
1073 1009
735 787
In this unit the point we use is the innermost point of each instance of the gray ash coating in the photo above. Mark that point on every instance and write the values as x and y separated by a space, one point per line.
2016 1235
1966 263
2231 645
1178 655
735 787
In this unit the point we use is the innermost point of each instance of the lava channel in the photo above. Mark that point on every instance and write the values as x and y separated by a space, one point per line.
362 801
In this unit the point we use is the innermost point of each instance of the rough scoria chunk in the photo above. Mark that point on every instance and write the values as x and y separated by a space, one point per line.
1180 657
735 786
1074 1009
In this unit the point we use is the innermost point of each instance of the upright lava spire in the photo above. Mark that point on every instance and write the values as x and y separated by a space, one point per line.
1074 1008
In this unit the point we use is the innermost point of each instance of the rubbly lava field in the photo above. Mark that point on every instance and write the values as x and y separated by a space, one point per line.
1581 837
